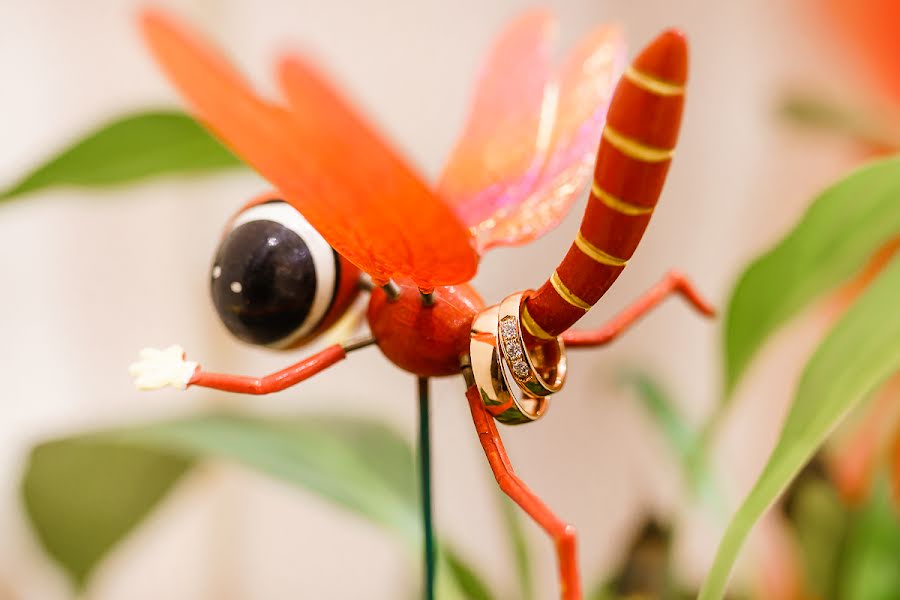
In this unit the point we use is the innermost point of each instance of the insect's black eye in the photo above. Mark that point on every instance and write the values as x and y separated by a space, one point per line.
274 277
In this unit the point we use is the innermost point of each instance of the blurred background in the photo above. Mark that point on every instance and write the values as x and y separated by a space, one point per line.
91 277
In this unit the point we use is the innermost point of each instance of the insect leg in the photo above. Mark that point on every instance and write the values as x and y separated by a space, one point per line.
279 380
672 283
562 533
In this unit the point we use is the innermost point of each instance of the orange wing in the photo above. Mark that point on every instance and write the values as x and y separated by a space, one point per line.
326 161
505 140
529 146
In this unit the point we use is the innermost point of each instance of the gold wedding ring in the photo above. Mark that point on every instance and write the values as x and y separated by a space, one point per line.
505 400
514 379
538 367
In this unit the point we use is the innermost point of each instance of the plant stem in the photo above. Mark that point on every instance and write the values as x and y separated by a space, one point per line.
425 487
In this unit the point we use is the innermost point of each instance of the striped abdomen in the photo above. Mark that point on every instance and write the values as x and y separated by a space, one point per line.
634 156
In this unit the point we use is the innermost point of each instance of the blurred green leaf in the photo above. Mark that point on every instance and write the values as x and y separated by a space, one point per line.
811 110
512 518
819 519
842 229
683 440
601 592
84 493
686 443
362 466
646 569
644 572
129 149
871 559
860 352
467 580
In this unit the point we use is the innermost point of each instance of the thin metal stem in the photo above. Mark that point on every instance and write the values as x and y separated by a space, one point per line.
365 283
392 290
357 343
427 298
424 444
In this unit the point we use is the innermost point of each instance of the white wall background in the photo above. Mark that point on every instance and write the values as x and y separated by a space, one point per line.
88 278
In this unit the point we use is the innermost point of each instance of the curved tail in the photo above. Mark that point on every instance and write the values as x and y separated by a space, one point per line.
634 156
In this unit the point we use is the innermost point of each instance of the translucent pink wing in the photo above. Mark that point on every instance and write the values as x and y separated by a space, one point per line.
585 83
504 143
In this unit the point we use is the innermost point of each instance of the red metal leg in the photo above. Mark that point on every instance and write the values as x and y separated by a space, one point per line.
562 533
275 382
672 283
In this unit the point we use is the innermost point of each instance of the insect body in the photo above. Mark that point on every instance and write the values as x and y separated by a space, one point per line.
289 263
427 340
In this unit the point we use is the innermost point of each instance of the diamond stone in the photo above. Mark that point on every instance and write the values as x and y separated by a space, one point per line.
512 349
520 369
508 328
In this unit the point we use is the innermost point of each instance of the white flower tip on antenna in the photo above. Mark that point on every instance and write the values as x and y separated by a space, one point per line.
157 369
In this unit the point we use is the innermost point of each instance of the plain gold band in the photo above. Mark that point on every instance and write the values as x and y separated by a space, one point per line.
500 394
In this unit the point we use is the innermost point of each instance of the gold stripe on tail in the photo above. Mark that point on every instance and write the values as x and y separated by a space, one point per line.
532 326
634 149
566 294
652 84
597 254
626 208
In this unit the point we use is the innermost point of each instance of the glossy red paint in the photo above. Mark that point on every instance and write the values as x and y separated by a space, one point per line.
274 382
672 283
645 117
427 341
563 534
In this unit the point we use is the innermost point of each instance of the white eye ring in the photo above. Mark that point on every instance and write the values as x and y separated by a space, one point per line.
323 256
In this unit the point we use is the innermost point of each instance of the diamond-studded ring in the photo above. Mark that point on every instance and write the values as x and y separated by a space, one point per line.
537 366
501 396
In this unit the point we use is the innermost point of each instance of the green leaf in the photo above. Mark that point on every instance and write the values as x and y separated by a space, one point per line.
512 519
814 112
83 494
819 520
129 149
844 226
646 569
362 466
659 405
601 592
687 444
467 580
860 352
871 566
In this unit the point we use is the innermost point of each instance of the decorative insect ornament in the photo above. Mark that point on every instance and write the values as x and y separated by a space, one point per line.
349 215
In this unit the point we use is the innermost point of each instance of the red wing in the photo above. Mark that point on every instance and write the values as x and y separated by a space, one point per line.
587 80
326 161
503 146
